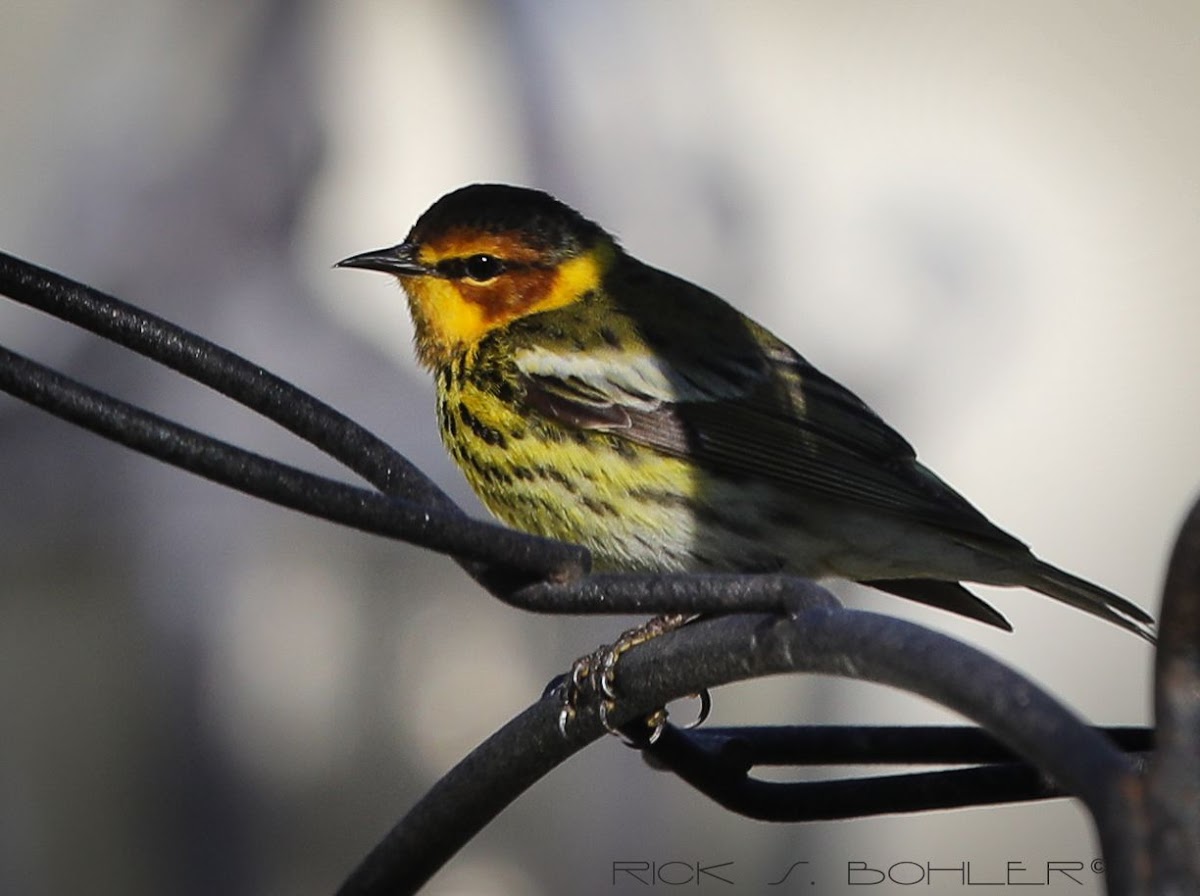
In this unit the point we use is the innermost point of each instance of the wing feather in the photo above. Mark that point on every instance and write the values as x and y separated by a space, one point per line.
737 401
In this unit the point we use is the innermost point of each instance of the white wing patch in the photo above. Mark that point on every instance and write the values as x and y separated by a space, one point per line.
638 381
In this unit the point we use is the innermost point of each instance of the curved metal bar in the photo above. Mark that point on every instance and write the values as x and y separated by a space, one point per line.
748 746
1173 780
854 644
993 784
268 479
223 371
885 650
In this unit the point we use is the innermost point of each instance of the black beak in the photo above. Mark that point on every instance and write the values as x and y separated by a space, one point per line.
400 260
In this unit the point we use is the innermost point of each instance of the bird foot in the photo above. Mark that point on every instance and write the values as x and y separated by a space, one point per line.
594 676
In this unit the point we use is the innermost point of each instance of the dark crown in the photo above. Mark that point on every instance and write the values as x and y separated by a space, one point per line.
539 218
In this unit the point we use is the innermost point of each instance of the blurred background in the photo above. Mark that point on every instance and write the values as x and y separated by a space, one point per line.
980 217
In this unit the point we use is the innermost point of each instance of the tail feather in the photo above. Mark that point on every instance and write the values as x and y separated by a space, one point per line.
1083 595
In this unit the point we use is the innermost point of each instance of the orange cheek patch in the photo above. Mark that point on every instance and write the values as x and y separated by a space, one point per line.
510 296
451 315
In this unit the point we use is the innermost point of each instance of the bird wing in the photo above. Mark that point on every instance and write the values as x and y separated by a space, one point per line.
745 406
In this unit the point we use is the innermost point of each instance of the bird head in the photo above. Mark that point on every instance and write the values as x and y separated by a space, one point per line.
486 255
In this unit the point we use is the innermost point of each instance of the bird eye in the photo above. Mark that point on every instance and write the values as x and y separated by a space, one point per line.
482 268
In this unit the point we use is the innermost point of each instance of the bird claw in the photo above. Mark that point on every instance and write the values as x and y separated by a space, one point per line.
610 656
597 673
578 681
608 671
705 699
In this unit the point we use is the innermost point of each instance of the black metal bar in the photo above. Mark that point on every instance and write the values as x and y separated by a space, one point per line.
466 799
268 479
717 761
225 372
809 745
1002 782
1173 781
890 651
673 593
1073 758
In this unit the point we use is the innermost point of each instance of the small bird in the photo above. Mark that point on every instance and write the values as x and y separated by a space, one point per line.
591 398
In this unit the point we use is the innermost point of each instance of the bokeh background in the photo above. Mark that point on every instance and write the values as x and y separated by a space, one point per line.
981 217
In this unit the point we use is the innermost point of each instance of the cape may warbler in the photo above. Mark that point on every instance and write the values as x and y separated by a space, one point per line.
592 398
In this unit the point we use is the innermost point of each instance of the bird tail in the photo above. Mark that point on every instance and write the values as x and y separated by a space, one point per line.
1083 595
